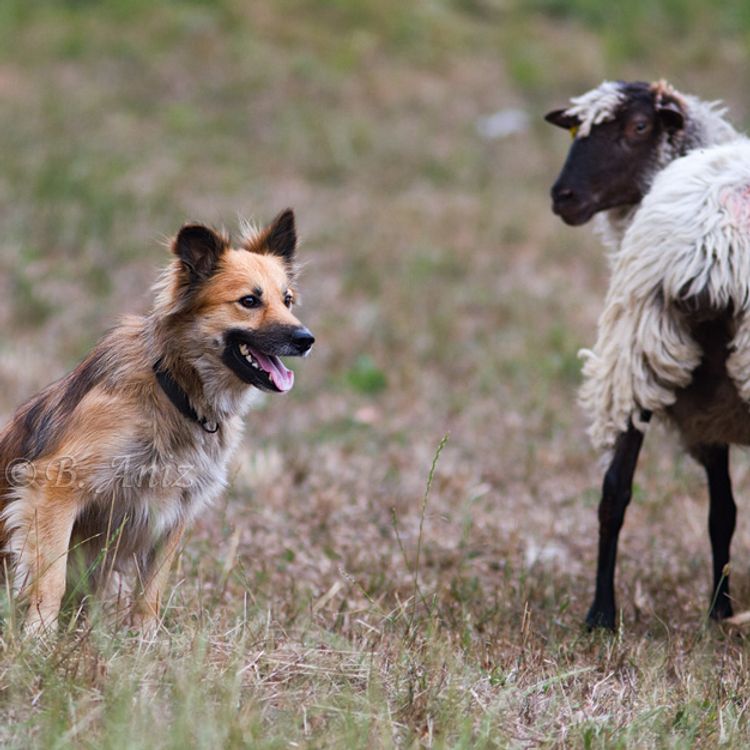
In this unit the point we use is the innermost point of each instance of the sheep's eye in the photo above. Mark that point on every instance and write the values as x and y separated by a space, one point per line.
640 127
249 301
288 300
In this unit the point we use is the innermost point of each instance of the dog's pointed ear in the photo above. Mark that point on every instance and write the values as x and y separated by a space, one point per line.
562 120
199 248
281 236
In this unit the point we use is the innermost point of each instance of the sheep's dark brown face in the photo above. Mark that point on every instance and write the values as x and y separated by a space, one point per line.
613 164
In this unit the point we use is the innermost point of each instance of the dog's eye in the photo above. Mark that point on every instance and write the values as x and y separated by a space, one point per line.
249 301
288 300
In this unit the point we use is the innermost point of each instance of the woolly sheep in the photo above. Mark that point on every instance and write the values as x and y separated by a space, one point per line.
674 337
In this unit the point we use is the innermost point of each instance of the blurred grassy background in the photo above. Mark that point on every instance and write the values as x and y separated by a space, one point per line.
445 298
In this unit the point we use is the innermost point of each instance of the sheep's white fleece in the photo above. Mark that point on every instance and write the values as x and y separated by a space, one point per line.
690 236
596 106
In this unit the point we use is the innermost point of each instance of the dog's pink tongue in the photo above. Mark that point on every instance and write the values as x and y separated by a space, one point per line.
282 377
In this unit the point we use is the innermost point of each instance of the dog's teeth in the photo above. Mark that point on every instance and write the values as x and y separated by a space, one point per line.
252 361
244 350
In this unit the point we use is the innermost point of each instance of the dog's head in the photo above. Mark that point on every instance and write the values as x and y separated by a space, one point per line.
235 304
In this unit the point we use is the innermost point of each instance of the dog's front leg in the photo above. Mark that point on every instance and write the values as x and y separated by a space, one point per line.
43 519
147 606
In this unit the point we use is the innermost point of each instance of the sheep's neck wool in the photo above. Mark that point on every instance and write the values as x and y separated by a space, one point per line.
687 247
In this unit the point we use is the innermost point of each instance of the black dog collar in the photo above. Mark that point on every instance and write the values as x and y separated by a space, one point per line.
180 399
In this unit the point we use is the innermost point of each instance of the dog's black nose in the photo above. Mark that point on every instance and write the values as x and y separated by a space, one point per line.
302 339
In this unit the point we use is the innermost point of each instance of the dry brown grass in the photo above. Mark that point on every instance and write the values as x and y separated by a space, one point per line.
446 299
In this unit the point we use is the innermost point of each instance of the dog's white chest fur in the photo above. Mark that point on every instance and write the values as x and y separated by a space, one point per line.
150 490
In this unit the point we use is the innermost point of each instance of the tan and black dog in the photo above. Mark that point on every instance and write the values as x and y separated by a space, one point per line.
116 459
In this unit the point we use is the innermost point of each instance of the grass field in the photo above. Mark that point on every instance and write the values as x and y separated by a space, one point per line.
328 600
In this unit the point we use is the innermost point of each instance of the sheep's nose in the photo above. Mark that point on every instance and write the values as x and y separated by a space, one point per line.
562 194
302 339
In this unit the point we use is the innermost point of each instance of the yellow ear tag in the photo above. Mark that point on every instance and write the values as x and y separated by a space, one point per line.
574 131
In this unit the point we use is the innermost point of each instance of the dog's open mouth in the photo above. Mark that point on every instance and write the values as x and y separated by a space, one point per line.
264 371
270 366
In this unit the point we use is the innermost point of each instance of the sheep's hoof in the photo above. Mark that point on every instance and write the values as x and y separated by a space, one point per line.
722 608
599 618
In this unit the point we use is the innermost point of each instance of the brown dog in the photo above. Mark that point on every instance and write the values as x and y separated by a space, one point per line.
116 459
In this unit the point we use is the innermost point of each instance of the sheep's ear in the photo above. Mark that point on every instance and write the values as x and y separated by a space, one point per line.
281 236
199 248
671 116
559 118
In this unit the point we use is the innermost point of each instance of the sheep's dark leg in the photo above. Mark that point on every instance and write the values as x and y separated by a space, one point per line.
616 491
722 513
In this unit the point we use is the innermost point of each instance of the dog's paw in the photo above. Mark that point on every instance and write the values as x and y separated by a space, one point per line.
39 628
144 624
